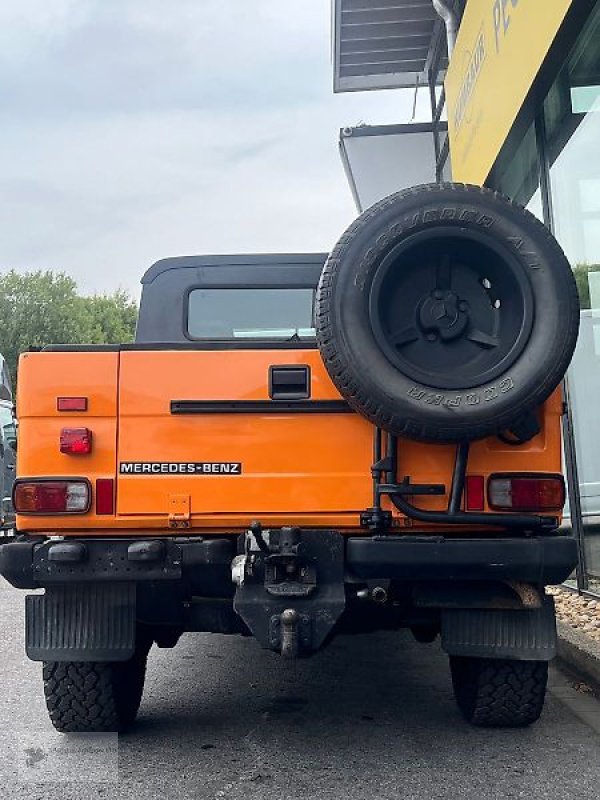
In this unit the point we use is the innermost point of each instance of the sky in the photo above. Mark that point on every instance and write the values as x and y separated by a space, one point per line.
132 130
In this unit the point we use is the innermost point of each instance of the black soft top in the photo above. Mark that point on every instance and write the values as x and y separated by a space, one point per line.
239 260
167 284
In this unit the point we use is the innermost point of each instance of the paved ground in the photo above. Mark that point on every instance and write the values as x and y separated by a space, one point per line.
371 717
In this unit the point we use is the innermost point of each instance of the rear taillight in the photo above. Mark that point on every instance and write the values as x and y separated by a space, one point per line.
105 493
526 492
51 497
76 441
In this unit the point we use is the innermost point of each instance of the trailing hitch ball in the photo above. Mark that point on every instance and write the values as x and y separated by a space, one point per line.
289 633
290 586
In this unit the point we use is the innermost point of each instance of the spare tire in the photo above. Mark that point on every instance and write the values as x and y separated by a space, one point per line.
446 312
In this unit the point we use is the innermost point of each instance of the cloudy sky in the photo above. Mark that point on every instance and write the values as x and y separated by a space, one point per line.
137 129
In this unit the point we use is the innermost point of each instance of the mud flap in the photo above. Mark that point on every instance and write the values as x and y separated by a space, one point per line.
81 622
523 635
291 597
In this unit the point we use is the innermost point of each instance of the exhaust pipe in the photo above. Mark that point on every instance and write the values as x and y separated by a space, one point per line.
379 595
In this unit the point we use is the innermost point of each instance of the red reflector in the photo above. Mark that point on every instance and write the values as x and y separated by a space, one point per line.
474 493
51 497
72 403
76 441
526 492
105 496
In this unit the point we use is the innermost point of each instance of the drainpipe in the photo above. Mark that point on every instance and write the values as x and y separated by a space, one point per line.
447 13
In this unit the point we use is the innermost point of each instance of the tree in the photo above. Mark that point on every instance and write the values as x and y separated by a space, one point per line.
583 286
44 307
111 317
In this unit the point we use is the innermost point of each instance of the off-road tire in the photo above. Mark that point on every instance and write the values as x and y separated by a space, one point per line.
94 696
499 693
417 366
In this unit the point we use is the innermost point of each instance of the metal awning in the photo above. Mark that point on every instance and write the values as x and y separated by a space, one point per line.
381 159
384 44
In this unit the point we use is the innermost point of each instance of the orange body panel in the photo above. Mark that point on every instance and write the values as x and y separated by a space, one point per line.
301 469
309 463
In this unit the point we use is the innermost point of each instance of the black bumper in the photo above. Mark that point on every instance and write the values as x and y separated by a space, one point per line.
203 561
540 560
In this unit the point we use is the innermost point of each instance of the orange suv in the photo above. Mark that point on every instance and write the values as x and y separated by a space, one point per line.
298 446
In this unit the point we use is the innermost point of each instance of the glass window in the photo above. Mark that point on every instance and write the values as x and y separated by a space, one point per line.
6 415
5 384
251 313
7 425
572 116
519 174
572 123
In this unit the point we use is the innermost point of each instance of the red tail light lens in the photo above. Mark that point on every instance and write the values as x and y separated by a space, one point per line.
474 493
76 441
51 497
71 403
105 503
526 492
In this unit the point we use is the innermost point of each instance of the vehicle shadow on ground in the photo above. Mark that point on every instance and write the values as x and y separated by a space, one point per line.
226 684
381 703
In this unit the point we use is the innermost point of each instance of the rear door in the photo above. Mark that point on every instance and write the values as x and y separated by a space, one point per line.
236 432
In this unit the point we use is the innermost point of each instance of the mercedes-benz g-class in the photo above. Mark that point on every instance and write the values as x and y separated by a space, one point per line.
297 446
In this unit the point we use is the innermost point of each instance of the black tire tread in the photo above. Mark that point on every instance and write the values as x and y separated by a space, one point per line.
85 697
499 693
343 372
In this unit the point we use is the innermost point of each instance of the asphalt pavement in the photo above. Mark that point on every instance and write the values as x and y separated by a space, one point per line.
371 717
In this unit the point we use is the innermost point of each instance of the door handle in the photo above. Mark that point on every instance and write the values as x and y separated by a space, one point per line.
289 382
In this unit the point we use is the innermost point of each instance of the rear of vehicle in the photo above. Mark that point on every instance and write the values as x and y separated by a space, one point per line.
292 451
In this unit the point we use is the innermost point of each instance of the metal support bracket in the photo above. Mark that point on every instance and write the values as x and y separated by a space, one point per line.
292 597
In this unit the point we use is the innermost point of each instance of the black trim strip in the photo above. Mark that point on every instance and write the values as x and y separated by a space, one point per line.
260 406
200 345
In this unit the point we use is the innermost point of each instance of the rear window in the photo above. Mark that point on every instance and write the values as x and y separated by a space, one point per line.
234 313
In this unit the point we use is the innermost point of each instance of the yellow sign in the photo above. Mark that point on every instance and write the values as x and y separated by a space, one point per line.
500 47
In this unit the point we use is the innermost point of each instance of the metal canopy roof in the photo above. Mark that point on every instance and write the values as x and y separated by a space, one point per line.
383 44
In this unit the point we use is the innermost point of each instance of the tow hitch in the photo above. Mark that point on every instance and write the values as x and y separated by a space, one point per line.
290 587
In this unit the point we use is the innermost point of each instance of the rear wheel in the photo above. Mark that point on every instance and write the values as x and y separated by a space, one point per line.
94 696
499 693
